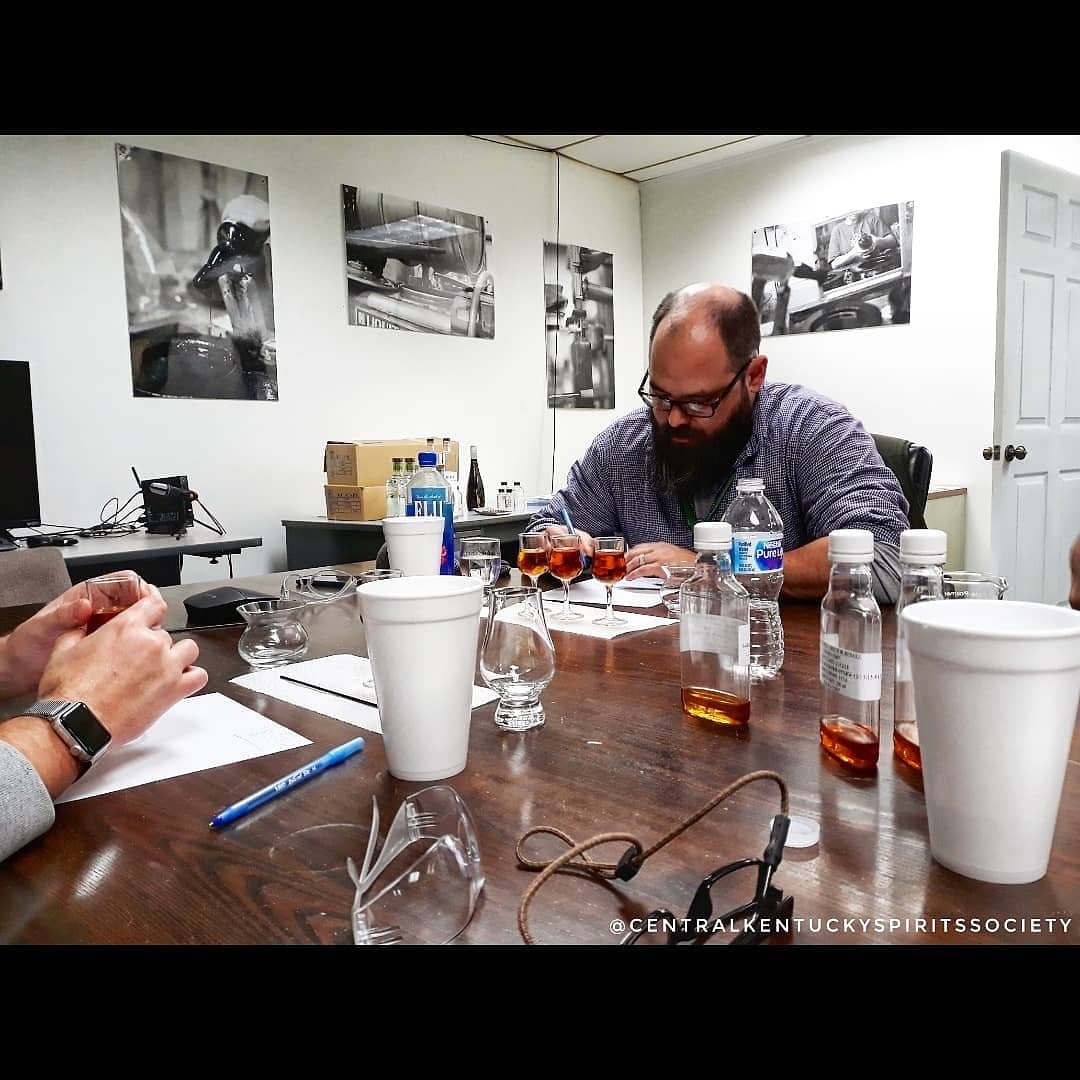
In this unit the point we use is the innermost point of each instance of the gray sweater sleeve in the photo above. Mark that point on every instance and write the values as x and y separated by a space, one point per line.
26 810
885 570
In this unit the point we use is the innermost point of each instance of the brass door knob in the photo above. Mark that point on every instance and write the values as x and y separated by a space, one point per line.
992 453
1018 452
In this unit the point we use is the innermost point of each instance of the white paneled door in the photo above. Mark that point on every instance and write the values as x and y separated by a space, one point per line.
1036 494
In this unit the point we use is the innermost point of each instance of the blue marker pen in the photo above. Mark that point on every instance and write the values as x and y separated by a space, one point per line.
286 783
566 518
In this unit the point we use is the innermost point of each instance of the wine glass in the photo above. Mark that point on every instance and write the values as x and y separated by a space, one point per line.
609 567
532 559
565 563
517 659
375 575
481 557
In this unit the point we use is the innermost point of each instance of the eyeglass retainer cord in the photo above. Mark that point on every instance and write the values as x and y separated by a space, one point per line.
633 858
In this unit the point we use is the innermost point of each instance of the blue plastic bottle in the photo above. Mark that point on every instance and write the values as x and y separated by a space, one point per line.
428 494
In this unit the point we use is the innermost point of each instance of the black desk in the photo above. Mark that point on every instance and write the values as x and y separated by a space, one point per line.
316 541
157 558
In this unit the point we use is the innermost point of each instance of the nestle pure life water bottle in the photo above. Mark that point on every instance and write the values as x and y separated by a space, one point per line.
757 557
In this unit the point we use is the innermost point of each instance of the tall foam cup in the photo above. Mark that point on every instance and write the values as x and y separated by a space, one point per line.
996 687
414 544
421 639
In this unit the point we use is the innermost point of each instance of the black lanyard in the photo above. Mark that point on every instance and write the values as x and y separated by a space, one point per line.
690 514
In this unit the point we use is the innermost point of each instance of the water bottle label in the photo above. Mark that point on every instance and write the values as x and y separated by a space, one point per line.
854 675
715 634
426 501
757 553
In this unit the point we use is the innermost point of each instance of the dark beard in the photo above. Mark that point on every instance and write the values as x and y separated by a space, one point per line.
686 471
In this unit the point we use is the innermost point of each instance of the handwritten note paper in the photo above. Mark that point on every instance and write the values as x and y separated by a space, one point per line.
198 733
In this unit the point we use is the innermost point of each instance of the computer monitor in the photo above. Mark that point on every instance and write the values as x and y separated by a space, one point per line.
20 505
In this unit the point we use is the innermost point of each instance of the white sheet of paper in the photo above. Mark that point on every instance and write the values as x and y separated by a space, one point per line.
586 626
197 733
342 673
592 591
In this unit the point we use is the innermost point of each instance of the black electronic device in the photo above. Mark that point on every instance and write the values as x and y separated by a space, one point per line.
49 540
167 502
19 502
217 607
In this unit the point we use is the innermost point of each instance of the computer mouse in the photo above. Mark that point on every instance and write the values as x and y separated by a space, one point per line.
50 541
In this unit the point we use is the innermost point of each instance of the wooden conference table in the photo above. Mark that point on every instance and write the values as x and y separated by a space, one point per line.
617 755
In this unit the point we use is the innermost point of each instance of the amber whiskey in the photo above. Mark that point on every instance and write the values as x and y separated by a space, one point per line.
609 566
905 743
532 563
716 705
853 744
565 565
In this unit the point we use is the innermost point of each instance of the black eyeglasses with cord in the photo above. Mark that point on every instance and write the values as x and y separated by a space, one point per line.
764 914
699 410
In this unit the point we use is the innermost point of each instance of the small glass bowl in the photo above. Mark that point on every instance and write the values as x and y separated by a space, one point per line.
274 632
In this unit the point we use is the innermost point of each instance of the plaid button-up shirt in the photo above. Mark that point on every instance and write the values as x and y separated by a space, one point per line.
821 470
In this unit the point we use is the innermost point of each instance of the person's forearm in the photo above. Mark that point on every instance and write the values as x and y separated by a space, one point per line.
806 571
35 739
9 685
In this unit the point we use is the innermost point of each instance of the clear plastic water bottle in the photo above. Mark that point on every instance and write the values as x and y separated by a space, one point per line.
757 557
850 659
714 632
922 555
428 494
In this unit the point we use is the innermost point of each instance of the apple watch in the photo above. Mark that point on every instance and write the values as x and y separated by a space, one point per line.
85 735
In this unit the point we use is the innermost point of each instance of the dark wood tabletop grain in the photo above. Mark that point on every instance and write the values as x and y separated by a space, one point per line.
617 754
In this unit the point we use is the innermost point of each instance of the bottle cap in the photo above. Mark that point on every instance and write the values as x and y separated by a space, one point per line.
426 460
923 547
851 546
750 483
802 832
712 536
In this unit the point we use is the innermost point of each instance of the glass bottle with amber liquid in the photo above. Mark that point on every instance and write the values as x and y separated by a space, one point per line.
850 658
922 555
714 632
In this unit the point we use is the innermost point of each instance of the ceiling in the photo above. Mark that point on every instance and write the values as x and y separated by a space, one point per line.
645 157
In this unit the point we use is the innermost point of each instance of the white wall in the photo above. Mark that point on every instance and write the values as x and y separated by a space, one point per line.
63 309
931 381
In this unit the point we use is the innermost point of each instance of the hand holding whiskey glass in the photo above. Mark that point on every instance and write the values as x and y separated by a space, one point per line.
565 563
609 567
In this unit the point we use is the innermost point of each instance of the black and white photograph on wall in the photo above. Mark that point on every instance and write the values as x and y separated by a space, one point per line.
197 268
579 315
411 265
846 272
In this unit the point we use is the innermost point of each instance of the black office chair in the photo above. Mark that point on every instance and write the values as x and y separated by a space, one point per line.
912 465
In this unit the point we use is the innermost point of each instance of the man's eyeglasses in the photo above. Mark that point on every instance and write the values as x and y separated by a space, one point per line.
767 913
699 410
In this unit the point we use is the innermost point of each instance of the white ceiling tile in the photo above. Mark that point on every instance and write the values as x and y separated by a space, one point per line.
745 145
625 153
551 142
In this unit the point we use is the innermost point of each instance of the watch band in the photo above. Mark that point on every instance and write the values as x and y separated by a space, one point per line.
84 735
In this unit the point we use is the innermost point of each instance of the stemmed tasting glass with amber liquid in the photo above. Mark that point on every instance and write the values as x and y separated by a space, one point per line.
565 563
609 567
532 560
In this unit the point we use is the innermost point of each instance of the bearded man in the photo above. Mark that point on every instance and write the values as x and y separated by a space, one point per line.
709 419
